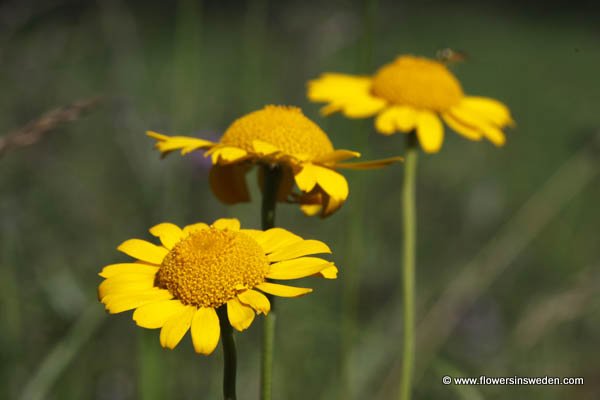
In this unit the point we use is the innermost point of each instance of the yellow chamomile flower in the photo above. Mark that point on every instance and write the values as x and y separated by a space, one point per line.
411 94
178 285
275 135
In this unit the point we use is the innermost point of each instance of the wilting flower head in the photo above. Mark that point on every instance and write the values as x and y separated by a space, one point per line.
282 136
177 286
411 94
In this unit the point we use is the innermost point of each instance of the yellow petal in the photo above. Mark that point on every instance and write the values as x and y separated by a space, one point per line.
256 300
176 327
299 249
494 111
143 250
166 144
384 162
406 119
231 224
155 315
264 148
334 86
116 303
226 155
205 330
228 183
306 179
461 128
333 183
297 268
329 272
169 234
336 156
283 290
194 227
240 315
124 268
276 238
396 118
311 210
475 120
363 106
430 131
125 283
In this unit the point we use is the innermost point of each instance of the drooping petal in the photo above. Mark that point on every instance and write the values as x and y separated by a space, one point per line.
240 315
205 330
332 182
124 268
116 303
228 183
306 179
297 268
155 315
396 118
143 250
168 233
258 301
283 290
125 283
494 111
299 249
493 134
461 128
430 131
311 210
224 155
176 327
231 224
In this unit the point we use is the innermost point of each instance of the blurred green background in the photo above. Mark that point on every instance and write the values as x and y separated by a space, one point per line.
189 67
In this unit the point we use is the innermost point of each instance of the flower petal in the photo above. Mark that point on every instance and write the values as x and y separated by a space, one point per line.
194 227
225 155
155 315
430 131
494 111
228 183
299 249
493 134
240 315
264 148
370 164
332 182
205 330
176 327
297 268
168 233
306 179
124 268
329 272
276 238
461 128
258 301
125 283
143 250
336 156
283 290
116 303
166 144
231 224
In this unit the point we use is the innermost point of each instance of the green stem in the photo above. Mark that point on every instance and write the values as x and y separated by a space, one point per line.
272 177
229 356
408 273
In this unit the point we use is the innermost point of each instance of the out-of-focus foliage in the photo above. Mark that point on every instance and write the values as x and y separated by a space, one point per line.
191 68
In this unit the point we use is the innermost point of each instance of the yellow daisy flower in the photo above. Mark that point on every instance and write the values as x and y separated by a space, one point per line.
276 135
178 285
411 94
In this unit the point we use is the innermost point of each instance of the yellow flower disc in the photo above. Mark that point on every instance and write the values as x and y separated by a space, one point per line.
284 127
417 82
207 268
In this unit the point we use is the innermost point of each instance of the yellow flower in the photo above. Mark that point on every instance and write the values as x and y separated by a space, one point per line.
275 135
411 94
178 285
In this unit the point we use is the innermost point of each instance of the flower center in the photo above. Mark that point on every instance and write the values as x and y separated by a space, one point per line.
209 266
417 82
284 127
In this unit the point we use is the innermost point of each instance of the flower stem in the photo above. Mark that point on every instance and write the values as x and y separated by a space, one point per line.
272 177
408 273
229 356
